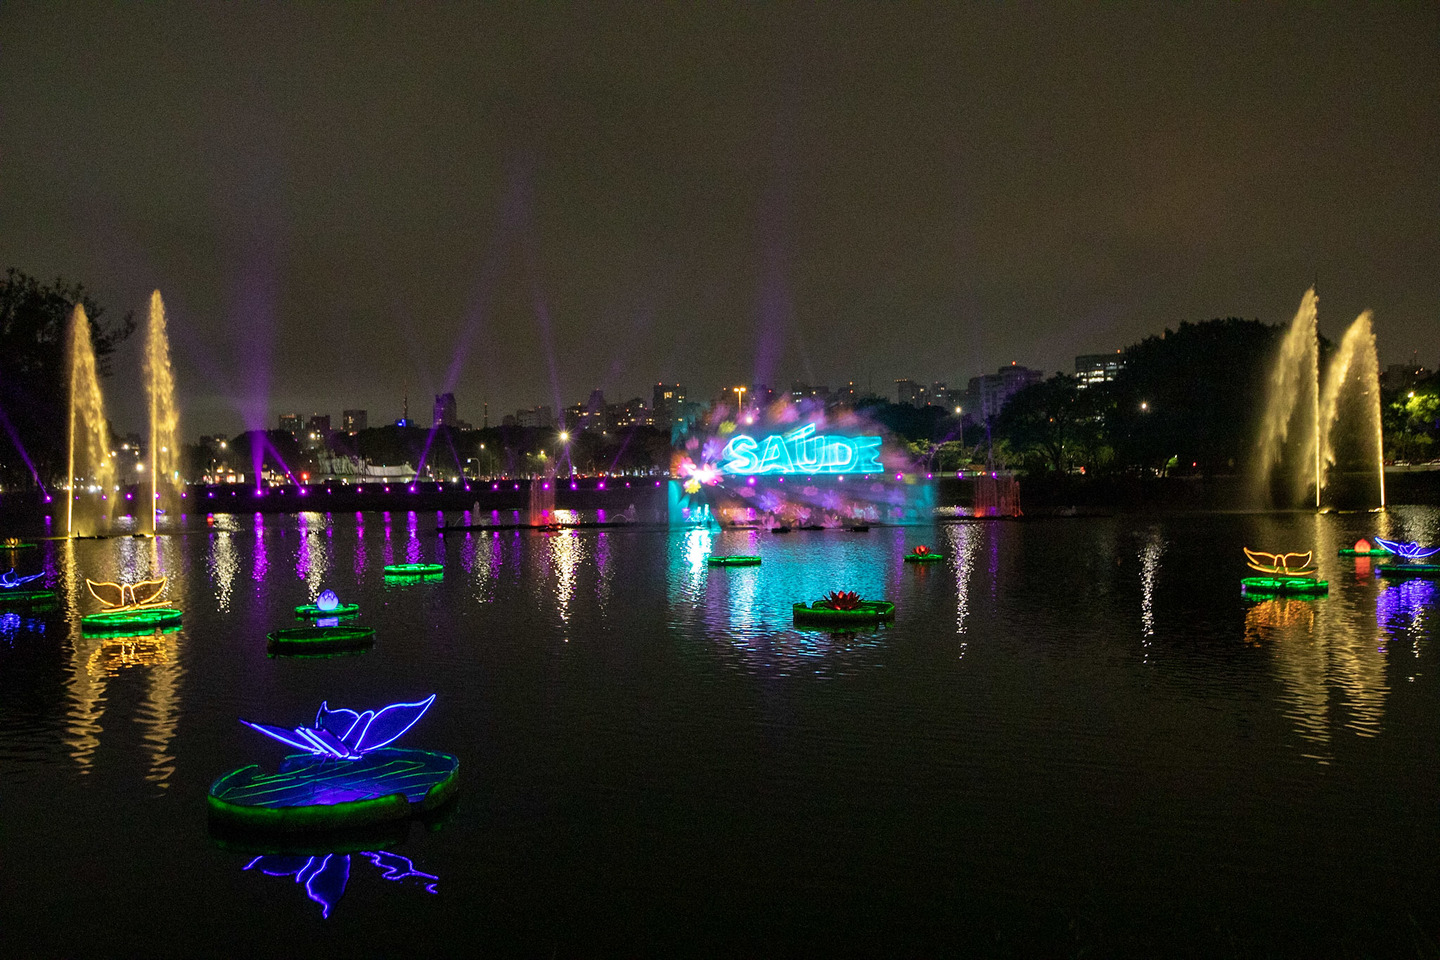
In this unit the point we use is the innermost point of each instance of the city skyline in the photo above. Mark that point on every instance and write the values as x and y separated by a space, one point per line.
521 206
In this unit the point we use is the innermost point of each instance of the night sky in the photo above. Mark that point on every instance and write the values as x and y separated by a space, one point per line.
340 202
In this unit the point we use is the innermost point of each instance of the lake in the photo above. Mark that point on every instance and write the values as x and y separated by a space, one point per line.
1077 738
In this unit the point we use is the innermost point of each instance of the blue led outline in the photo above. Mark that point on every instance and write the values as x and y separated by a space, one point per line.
801 452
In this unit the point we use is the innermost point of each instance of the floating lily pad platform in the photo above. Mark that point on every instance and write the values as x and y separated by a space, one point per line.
311 793
923 557
311 612
414 570
1428 570
1284 586
130 623
1372 552
16 544
26 598
869 611
319 639
736 561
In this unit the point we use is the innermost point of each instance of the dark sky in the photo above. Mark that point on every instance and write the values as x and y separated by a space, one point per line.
340 202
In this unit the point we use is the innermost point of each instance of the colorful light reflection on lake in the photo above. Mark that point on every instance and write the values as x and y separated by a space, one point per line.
1076 737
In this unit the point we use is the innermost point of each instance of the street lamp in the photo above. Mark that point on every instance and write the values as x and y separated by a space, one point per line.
739 401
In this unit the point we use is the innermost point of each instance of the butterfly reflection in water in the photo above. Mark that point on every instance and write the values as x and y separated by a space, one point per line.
325 875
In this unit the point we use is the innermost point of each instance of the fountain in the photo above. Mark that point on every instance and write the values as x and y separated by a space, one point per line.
89 432
542 497
164 415
1355 364
1297 405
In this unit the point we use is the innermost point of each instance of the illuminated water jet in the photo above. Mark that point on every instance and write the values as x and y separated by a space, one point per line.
1297 432
89 434
164 414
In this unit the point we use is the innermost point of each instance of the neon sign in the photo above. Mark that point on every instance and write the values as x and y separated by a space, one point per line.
801 451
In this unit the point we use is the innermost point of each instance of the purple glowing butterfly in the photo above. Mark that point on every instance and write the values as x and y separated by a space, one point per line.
1410 551
9 581
347 734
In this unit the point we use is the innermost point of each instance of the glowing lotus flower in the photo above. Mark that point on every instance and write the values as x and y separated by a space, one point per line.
1410 551
842 600
347 734
327 600
922 550
9 581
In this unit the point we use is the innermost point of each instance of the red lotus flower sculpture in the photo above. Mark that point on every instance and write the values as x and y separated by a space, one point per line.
842 600
921 550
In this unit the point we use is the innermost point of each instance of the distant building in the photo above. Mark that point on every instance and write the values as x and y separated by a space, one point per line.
319 423
631 413
445 415
1402 376
1093 368
541 417
939 394
292 424
988 393
908 393
665 403
353 421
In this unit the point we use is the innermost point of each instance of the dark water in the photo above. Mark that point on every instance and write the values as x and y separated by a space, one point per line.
1076 739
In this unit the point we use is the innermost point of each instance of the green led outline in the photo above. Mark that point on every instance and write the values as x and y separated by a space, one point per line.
869 611
26 598
315 639
1284 586
414 570
923 557
1425 570
125 623
734 561
315 817
311 612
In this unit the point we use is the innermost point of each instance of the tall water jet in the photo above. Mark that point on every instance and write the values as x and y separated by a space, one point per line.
90 456
1293 400
1356 365
164 414
1298 434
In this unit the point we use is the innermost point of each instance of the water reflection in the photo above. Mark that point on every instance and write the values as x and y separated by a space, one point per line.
312 561
14 623
566 552
1332 674
1150 555
964 539
96 661
1403 611
222 565
325 876
261 566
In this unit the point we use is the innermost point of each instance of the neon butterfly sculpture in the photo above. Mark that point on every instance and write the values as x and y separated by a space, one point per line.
1281 564
1410 551
8 580
127 596
348 734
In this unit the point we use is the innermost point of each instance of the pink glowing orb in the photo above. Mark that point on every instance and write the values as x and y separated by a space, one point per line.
601 485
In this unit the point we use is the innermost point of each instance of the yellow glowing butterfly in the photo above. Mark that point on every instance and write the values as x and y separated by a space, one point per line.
1281 564
126 596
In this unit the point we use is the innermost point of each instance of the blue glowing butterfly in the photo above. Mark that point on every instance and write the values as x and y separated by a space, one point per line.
348 734
9 581
1410 551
